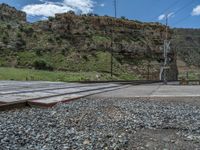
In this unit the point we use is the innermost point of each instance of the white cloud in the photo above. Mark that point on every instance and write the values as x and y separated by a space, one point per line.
44 18
84 6
196 11
163 16
170 15
46 9
51 8
102 5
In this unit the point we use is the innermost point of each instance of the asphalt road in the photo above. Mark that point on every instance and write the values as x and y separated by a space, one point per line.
153 91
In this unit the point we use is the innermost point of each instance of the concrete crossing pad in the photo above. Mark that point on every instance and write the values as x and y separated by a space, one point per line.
41 93
48 93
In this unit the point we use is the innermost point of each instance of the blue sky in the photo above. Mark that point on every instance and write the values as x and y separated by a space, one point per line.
181 13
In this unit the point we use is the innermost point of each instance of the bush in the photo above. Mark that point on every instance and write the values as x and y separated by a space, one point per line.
5 39
20 42
38 52
50 39
71 12
90 14
27 29
9 26
64 51
96 15
41 64
51 18
123 17
19 35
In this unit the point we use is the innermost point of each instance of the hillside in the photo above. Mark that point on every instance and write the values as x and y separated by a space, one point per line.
186 42
8 13
74 43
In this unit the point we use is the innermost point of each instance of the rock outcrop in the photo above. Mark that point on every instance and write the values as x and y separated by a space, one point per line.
10 14
76 39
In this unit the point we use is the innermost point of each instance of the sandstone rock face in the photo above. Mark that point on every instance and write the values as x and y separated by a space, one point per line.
131 40
125 36
137 47
8 13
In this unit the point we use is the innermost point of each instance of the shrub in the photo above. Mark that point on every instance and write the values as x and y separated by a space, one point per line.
38 52
9 26
71 12
64 51
50 39
20 42
41 64
123 17
27 29
5 40
96 15
51 18
19 35
90 14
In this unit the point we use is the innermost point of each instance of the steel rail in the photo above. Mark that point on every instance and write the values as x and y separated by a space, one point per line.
25 103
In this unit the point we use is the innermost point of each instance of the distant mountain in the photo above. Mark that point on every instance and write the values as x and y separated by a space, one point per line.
69 42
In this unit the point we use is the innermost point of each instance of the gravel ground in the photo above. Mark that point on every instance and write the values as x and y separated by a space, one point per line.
103 124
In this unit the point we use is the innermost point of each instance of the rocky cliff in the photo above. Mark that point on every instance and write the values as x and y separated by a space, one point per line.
69 42
11 14
187 45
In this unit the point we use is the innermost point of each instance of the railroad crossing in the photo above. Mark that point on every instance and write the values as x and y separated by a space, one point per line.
47 94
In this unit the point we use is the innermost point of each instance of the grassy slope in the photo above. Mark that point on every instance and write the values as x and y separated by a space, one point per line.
192 75
30 74
187 43
65 54
72 66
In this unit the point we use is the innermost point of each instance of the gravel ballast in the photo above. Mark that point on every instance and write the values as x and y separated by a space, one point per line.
103 123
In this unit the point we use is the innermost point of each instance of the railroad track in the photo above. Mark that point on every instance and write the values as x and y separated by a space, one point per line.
81 93
44 89
34 101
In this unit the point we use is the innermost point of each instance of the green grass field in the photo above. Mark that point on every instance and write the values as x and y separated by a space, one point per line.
192 75
39 75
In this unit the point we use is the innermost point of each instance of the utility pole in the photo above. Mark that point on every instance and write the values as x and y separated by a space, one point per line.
115 5
111 65
166 50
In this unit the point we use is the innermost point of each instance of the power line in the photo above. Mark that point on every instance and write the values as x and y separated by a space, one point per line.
164 11
185 6
182 8
181 20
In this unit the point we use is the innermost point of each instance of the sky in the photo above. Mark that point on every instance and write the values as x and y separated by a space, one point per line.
180 13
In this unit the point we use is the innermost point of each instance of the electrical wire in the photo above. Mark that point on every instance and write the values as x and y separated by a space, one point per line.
182 8
185 6
168 8
181 20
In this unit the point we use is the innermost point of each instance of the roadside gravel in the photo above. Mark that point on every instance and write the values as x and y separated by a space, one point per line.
103 123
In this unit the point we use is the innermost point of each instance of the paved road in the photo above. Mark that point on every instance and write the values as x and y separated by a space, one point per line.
153 91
